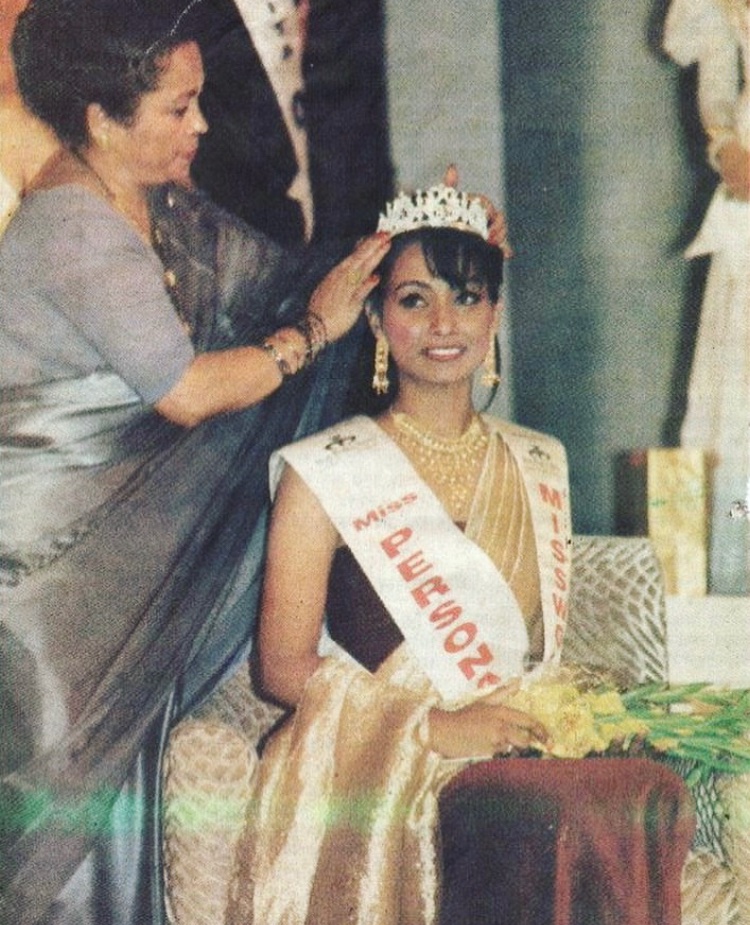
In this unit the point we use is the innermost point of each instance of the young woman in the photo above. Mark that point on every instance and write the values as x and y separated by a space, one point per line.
417 566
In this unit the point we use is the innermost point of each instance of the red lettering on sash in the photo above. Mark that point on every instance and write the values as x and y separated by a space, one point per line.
391 543
445 614
360 523
460 637
413 566
558 550
551 496
558 547
561 607
421 593
483 657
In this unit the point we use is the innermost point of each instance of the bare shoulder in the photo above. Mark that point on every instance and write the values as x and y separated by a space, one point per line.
296 507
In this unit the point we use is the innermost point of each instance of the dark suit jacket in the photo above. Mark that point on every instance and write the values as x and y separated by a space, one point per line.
246 161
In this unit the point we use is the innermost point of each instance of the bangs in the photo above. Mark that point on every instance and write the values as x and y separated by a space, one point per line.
458 257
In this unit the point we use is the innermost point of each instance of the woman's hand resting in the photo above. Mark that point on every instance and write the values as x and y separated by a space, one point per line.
484 728
340 296
734 163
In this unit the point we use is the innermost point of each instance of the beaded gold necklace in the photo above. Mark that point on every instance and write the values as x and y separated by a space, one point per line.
450 466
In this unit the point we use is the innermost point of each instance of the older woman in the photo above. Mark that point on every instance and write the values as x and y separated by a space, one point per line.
134 316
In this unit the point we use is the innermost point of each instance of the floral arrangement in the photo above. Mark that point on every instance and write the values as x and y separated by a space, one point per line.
703 724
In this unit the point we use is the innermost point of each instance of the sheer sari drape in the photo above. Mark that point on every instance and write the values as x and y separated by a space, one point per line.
130 558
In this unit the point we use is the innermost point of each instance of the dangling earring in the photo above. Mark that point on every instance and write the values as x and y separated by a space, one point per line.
490 374
380 381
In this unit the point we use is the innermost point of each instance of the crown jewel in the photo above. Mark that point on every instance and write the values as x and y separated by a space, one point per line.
438 207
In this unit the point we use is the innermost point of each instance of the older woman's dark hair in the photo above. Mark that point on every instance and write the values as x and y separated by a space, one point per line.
69 54
458 257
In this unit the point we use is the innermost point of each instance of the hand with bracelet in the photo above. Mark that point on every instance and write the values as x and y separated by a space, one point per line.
294 348
335 305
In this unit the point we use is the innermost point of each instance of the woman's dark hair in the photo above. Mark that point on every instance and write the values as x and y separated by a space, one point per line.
452 255
69 54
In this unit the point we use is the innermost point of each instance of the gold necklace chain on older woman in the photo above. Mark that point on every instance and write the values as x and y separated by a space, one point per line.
450 466
141 223
148 234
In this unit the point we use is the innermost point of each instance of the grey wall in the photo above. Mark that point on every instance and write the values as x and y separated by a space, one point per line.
598 190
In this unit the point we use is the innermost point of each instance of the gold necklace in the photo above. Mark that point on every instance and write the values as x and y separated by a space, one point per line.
144 230
450 466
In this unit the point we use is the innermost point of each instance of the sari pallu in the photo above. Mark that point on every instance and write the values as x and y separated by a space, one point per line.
348 804
131 551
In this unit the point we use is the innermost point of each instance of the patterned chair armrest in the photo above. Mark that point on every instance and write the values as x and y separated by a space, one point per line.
617 612
208 771
617 625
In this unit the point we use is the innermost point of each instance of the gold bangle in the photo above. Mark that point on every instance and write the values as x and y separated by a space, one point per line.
313 329
283 365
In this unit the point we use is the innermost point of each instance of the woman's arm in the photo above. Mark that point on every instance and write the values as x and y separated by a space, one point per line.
229 380
301 544
484 728
718 90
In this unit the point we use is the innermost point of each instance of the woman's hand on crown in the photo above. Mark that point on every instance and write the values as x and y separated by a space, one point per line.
340 296
497 226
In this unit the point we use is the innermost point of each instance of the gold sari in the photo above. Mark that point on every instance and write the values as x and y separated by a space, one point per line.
341 826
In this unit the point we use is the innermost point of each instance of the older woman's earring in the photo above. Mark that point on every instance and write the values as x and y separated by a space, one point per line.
380 381
491 373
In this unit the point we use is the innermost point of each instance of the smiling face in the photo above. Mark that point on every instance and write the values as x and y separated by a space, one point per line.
438 333
159 143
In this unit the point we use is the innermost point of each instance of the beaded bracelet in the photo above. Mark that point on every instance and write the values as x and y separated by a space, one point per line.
313 329
283 365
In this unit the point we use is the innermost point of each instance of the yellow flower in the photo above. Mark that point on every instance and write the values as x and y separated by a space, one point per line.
609 703
665 744
571 717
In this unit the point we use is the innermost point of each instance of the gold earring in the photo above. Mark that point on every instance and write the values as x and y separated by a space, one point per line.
490 375
380 381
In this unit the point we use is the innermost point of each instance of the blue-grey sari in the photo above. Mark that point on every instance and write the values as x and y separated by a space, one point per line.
130 558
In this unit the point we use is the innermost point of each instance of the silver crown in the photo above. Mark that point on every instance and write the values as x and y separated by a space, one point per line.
438 207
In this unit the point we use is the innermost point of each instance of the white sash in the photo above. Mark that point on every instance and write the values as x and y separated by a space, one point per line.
454 608
544 469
